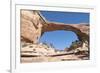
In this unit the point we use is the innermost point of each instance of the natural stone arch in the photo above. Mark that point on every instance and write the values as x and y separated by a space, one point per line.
82 31
76 28
33 25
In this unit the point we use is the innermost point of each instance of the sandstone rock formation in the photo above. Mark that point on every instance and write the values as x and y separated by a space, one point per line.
33 25
43 53
82 31
39 49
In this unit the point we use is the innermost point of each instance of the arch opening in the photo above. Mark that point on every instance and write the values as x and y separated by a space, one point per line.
59 39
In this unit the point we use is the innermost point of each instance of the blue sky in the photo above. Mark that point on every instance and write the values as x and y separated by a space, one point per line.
61 39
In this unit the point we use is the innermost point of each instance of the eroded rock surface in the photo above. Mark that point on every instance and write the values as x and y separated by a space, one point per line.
33 26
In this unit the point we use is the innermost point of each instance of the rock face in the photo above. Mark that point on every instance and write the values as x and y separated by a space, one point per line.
39 49
33 26
43 53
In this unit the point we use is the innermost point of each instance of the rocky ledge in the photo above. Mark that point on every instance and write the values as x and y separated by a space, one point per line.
44 53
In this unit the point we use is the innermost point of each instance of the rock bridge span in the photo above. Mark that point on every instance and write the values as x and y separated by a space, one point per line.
33 25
